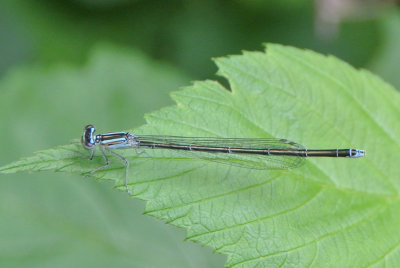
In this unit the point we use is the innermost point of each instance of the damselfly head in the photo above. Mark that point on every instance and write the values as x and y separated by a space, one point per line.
88 139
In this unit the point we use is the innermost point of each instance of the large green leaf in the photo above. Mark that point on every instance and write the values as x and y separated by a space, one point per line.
330 212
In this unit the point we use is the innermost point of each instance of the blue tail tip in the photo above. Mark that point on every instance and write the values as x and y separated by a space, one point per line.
355 153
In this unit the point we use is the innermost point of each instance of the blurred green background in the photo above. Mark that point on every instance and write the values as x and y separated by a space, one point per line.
65 64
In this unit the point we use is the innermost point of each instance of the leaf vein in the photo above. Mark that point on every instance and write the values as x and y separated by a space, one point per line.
370 216
283 212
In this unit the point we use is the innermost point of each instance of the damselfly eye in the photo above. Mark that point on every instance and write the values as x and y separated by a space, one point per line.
87 138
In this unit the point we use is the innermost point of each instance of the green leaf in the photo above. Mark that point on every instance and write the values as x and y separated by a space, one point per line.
328 213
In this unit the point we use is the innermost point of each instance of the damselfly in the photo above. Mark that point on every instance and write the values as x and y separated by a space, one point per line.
248 152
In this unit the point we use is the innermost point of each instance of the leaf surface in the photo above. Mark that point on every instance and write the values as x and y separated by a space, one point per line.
330 212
